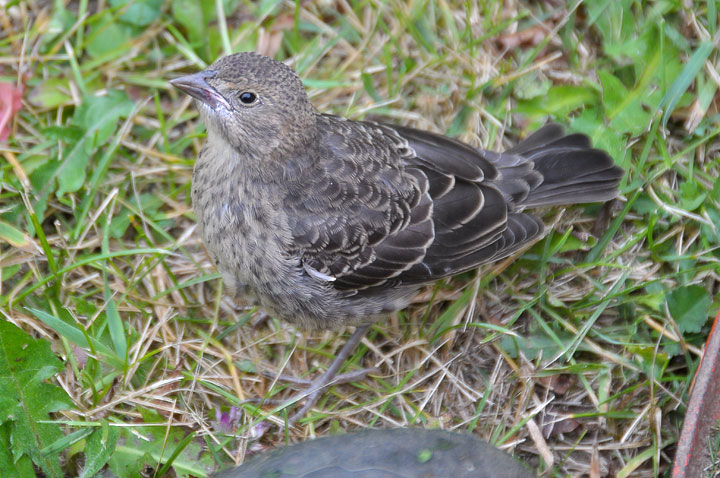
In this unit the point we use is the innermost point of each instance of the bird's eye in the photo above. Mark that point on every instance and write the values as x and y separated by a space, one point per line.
248 97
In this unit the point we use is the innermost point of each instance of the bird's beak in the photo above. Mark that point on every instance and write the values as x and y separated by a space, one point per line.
196 86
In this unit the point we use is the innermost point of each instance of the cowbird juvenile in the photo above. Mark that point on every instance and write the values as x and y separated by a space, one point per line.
328 222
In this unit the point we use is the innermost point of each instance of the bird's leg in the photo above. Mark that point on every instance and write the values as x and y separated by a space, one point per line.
296 382
329 377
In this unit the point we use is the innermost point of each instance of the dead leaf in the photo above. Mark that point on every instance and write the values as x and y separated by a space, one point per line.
556 425
10 103
525 38
269 41
559 384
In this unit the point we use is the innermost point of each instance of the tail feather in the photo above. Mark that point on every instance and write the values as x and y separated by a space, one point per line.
545 135
571 170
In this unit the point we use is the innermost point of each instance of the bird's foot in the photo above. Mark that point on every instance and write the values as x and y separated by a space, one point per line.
313 389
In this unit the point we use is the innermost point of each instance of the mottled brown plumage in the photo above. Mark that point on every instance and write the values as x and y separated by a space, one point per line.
331 222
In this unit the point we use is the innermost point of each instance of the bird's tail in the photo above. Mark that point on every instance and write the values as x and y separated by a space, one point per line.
559 169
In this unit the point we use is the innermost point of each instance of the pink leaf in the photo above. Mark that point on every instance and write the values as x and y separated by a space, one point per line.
10 103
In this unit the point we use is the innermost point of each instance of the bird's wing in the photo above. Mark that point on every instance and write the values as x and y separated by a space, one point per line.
387 206
475 216
354 196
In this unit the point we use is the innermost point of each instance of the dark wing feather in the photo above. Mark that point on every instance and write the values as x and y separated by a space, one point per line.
446 155
396 253
539 139
375 223
408 207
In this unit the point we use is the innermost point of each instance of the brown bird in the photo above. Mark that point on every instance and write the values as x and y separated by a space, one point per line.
328 222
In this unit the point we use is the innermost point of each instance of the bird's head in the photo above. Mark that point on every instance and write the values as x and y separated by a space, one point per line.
256 104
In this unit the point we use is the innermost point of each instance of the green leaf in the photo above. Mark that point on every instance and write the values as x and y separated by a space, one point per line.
614 20
42 180
62 20
614 92
266 7
100 447
140 12
9 467
691 195
246 366
685 78
652 362
623 107
98 117
632 118
369 87
26 400
189 14
574 243
12 235
115 326
68 134
654 300
689 306
149 205
533 345
106 37
559 100
101 113
70 332
51 93
530 86
161 445
77 336
66 441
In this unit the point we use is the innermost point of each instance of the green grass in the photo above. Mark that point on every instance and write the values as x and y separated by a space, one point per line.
577 356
